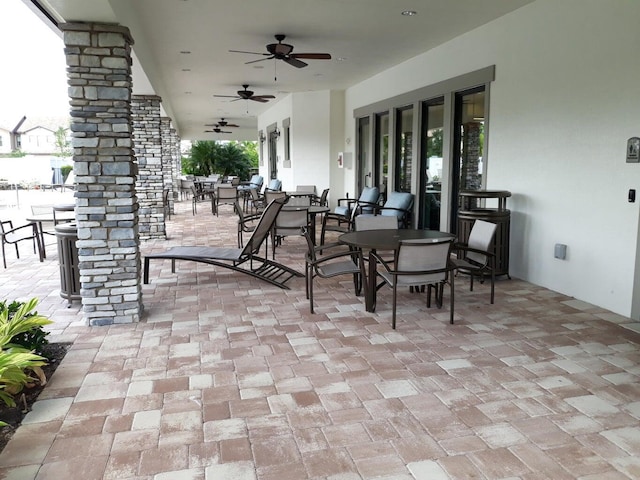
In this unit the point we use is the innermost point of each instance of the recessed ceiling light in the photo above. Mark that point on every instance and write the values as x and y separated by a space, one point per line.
186 69
341 59
409 13
187 93
185 52
258 67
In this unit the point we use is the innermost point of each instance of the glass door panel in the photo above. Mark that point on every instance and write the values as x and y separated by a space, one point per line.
431 164
404 149
468 147
364 161
381 168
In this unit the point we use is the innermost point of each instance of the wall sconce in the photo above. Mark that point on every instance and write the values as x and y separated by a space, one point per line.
276 133
262 137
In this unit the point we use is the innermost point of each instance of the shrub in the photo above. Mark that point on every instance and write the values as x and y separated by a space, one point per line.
19 366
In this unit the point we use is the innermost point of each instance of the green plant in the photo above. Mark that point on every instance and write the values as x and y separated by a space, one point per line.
66 170
32 339
228 158
19 366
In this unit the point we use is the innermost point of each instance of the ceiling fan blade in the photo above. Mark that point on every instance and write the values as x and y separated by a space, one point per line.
226 96
258 98
312 56
231 125
251 53
259 60
295 62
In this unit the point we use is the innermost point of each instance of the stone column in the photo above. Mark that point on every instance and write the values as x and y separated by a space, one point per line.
175 162
147 140
99 77
167 159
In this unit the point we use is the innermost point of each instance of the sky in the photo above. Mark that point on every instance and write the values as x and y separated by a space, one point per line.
33 80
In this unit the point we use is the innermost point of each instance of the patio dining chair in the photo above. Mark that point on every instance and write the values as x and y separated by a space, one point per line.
399 205
12 236
335 261
341 219
322 199
476 257
200 196
289 223
224 195
416 263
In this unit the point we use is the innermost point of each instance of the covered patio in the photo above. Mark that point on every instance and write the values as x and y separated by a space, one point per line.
227 377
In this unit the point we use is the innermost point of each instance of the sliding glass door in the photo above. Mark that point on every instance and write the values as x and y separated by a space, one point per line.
468 165
431 164
381 145
404 149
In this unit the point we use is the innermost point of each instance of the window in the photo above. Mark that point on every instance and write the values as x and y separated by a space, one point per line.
434 138
404 149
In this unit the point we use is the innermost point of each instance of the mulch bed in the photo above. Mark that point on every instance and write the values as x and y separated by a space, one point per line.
13 416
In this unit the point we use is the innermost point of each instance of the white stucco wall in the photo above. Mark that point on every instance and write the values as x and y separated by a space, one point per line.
565 99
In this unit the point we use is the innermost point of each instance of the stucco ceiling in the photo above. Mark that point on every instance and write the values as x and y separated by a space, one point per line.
363 37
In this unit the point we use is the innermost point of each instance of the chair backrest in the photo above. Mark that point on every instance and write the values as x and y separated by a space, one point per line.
323 198
256 181
422 255
397 204
42 209
275 185
239 211
291 222
375 222
480 238
306 188
255 195
264 226
226 192
369 195
269 196
303 201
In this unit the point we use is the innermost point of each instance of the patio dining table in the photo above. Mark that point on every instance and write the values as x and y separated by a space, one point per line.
60 213
375 240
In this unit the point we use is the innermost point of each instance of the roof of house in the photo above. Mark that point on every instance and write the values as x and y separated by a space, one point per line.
50 123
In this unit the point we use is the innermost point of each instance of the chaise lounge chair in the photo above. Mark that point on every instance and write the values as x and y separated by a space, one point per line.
243 260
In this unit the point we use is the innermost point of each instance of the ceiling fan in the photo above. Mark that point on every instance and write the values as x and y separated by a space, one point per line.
247 95
217 130
282 51
222 124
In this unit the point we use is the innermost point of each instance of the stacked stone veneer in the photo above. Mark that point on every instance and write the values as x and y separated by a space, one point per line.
99 76
167 159
147 140
472 150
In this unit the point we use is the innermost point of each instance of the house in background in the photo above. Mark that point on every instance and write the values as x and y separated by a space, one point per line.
35 137
5 140
32 135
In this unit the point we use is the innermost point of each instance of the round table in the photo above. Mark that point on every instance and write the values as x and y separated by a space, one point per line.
384 240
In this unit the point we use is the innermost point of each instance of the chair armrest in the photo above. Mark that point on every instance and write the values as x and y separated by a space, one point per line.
331 256
382 261
8 222
348 201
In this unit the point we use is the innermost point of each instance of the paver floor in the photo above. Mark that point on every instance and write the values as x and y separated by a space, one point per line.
230 378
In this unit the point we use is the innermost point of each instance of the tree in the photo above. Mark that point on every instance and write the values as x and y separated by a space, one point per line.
224 158
63 146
